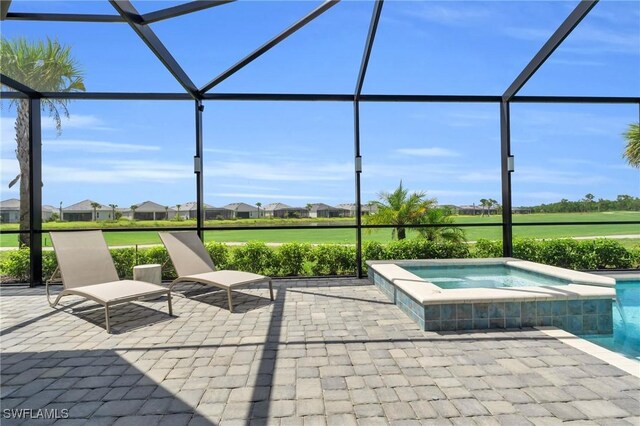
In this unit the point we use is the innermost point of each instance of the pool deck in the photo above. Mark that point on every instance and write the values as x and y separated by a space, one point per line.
331 352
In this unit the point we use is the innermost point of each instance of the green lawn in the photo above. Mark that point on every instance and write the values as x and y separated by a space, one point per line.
348 235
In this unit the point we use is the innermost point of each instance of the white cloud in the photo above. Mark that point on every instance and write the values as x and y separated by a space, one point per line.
109 172
543 195
591 40
480 176
96 146
267 196
528 33
240 186
428 152
576 62
542 175
76 121
285 171
452 193
464 15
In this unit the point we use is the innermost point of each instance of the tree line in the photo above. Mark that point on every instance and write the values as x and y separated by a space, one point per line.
590 204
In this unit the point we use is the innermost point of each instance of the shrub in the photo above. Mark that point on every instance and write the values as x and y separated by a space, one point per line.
15 264
49 264
526 249
560 253
291 257
160 256
219 253
486 248
254 257
372 250
602 254
124 259
333 259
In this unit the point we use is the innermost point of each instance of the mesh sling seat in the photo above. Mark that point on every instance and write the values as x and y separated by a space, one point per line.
87 270
193 264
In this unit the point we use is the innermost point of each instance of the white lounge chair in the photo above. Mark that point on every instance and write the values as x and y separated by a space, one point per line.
87 270
193 264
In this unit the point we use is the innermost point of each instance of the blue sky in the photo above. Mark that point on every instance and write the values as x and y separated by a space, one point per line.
298 153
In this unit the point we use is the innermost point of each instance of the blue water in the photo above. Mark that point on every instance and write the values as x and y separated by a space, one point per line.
487 276
626 321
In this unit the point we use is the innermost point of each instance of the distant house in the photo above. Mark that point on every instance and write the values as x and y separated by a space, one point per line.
83 212
474 210
10 211
210 212
48 211
522 210
283 211
365 209
325 210
148 210
243 210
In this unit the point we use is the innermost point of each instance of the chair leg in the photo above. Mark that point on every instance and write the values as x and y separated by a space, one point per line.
169 302
271 289
229 297
106 317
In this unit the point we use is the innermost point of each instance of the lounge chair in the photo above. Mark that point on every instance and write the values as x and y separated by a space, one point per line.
87 270
193 264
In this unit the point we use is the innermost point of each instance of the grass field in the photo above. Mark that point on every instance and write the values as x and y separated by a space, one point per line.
347 236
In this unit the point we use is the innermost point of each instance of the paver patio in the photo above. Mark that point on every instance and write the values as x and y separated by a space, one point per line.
325 352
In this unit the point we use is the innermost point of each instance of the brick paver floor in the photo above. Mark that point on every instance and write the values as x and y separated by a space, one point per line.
325 352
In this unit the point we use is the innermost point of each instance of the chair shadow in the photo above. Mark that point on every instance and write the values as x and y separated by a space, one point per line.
123 318
213 296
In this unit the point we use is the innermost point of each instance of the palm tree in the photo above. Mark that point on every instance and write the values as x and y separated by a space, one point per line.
484 203
258 204
133 211
401 209
46 67
113 210
632 151
178 211
95 207
492 203
166 212
441 216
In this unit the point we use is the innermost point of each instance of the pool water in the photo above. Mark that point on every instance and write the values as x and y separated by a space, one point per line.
482 276
626 321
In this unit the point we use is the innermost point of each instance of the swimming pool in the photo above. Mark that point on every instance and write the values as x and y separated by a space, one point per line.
478 294
626 321
483 276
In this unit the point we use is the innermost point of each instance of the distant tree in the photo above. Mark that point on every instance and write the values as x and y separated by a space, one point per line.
632 150
133 211
178 211
95 207
54 217
588 201
484 203
258 204
46 67
166 212
401 209
113 210
492 203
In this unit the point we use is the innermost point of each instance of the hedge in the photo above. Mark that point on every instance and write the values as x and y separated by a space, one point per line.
295 259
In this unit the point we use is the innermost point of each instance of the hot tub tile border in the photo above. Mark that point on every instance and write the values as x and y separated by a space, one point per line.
588 315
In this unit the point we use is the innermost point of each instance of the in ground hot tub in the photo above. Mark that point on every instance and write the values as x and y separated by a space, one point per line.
467 294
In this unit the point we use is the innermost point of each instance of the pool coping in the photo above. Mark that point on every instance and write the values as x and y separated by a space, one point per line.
583 285
615 359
